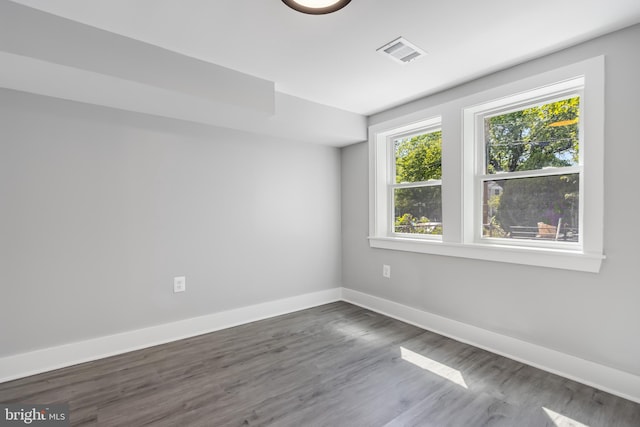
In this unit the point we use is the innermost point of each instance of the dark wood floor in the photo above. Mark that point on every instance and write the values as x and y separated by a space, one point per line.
334 365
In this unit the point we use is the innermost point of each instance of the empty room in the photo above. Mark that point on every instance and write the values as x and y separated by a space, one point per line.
319 213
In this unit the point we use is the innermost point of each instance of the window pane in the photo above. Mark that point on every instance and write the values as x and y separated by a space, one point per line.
532 208
533 138
418 210
419 158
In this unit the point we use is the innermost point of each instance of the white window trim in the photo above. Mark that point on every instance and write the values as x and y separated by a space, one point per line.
459 198
385 155
474 143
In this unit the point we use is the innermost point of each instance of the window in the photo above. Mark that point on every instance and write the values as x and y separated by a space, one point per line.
409 179
417 183
513 174
530 156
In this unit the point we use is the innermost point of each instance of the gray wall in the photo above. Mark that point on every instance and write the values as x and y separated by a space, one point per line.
100 209
593 316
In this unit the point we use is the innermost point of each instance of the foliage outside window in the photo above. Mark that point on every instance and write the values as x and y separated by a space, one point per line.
417 190
531 172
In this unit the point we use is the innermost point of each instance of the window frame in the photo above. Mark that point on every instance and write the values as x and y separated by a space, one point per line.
537 97
384 157
460 192
434 125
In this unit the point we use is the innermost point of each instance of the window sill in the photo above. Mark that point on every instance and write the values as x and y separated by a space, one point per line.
541 257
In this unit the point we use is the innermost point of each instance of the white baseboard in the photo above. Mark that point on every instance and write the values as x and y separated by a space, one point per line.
602 377
611 380
35 362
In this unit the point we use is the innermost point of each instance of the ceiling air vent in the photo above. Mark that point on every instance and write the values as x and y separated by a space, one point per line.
402 51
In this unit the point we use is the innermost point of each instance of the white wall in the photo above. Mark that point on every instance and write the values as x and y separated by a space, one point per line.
100 209
591 316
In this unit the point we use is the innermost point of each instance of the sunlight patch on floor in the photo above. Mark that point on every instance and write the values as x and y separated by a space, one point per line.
431 365
561 420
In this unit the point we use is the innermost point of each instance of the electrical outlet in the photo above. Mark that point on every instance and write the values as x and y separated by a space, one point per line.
179 284
386 271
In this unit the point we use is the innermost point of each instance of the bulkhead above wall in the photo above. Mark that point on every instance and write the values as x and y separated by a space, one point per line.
48 55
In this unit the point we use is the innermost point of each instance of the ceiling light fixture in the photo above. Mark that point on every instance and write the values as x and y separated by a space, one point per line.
316 7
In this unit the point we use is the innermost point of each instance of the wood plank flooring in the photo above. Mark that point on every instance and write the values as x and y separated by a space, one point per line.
333 365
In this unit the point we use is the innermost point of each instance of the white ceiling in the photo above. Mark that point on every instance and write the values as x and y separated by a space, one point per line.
332 59
260 67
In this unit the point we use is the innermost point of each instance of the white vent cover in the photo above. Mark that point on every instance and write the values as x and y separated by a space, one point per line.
402 51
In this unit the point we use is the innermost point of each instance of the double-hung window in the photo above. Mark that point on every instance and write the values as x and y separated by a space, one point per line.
529 168
510 174
408 200
416 183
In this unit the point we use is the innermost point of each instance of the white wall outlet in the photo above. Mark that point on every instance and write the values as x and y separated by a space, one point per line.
179 284
386 271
